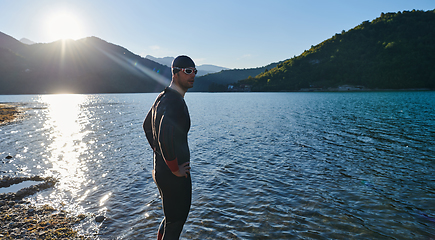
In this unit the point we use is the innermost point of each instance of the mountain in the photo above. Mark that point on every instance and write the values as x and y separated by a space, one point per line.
89 65
208 68
394 51
202 69
167 61
217 82
8 42
26 41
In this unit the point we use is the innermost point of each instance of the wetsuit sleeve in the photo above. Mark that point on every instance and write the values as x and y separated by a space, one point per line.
147 127
166 142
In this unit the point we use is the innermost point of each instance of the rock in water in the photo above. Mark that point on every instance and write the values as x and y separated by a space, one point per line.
100 218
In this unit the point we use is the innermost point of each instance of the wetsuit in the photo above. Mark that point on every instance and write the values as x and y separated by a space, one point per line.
166 126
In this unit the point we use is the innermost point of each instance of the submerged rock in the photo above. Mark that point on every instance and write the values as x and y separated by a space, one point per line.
100 218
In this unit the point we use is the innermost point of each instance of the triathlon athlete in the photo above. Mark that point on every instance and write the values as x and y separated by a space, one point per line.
166 127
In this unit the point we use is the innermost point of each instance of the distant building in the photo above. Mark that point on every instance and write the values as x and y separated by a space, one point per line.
350 88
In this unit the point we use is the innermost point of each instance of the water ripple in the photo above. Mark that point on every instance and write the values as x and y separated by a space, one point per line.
264 165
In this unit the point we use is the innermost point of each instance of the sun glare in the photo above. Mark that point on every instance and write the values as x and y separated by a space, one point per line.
64 25
65 121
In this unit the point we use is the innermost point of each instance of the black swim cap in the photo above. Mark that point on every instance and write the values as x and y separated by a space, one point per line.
182 62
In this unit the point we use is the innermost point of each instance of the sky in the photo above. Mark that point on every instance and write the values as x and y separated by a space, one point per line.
228 33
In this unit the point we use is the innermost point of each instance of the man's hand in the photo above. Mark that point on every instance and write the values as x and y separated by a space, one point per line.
183 170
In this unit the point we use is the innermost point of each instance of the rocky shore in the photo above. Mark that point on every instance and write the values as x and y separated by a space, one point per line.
21 220
7 113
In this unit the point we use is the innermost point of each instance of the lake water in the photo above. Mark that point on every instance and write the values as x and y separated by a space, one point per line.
264 165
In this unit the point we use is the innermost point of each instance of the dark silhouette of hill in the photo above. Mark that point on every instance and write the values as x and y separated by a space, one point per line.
394 51
215 82
12 44
88 65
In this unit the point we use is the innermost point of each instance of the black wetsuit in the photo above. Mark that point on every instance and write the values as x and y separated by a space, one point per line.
166 126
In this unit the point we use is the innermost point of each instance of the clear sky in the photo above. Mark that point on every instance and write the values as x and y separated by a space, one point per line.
228 33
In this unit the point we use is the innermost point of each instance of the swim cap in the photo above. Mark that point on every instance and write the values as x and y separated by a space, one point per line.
182 62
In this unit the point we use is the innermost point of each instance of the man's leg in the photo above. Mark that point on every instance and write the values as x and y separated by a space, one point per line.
161 230
176 198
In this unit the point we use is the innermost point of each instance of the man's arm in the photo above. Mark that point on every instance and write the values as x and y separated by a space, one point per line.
167 138
147 127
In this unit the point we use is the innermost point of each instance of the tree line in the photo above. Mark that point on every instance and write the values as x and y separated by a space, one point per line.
394 51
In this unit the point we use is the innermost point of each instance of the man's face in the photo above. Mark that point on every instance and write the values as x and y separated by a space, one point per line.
183 80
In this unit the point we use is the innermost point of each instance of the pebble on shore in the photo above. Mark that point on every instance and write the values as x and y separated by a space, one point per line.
21 220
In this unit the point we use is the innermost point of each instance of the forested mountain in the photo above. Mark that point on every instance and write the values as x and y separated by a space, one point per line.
219 81
88 65
394 51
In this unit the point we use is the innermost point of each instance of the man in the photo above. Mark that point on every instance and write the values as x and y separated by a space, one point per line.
166 126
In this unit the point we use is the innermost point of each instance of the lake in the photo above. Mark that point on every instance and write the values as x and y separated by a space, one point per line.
264 165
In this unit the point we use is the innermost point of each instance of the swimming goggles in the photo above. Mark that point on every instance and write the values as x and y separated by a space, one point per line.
187 70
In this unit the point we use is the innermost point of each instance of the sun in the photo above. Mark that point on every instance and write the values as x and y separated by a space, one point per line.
64 25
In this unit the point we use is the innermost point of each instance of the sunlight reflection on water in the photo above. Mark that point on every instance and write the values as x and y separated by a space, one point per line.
64 123
264 165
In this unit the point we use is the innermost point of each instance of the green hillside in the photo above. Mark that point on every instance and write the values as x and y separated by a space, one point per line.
394 51
218 81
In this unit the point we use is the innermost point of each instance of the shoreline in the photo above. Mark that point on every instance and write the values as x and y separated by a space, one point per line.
20 219
8 113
